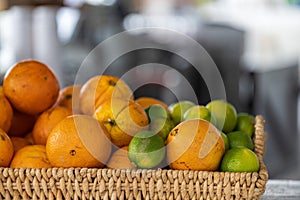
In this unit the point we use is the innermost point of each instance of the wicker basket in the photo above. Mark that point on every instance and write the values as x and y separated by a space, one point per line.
86 183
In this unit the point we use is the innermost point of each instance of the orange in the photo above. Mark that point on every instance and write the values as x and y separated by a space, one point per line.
6 149
69 98
46 122
19 143
195 144
145 102
21 124
120 160
122 119
78 141
31 86
32 156
6 113
101 88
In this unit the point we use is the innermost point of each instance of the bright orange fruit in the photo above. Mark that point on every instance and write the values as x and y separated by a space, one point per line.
78 141
98 89
122 119
69 98
31 86
6 113
6 149
32 156
195 144
47 121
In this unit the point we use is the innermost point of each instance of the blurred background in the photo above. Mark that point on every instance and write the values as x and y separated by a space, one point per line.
254 43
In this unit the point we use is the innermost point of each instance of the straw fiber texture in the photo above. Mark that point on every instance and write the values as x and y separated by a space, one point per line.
88 183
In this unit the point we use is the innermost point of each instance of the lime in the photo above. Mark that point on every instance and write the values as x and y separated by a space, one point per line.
199 112
245 123
162 126
226 141
156 111
146 149
240 139
225 114
178 109
239 159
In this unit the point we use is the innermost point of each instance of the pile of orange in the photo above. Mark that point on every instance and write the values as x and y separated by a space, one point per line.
43 125
94 124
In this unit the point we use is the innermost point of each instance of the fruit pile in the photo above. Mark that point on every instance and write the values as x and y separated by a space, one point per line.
101 124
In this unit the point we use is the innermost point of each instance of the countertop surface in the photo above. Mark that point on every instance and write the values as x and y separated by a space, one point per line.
282 189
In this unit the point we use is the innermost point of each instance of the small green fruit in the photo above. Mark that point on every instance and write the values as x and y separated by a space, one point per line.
178 109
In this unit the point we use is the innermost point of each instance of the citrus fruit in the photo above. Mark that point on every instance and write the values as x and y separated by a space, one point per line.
21 124
195 144
146 150
19 143
155 112
240 160
245 123
7 149
162 126
100 88
145 102
32 156
120 160
178 109
69 98
46 122
31 86
240 139
6 114
226 141
199 112
160 120
225 114
78 141
122 119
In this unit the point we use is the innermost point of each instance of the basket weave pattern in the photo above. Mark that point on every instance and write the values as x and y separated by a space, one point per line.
88 183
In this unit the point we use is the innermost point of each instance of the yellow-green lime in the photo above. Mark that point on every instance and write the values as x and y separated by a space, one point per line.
240 139
178 109
199 112
146 150
245 123
162 126
226 141
160 120
225 114
239 160
155 112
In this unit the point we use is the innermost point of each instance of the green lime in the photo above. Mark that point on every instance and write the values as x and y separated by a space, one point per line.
155 112
239 160
146 150
240 139
225 114
199 112
162 126
245 123
226 141
178 109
